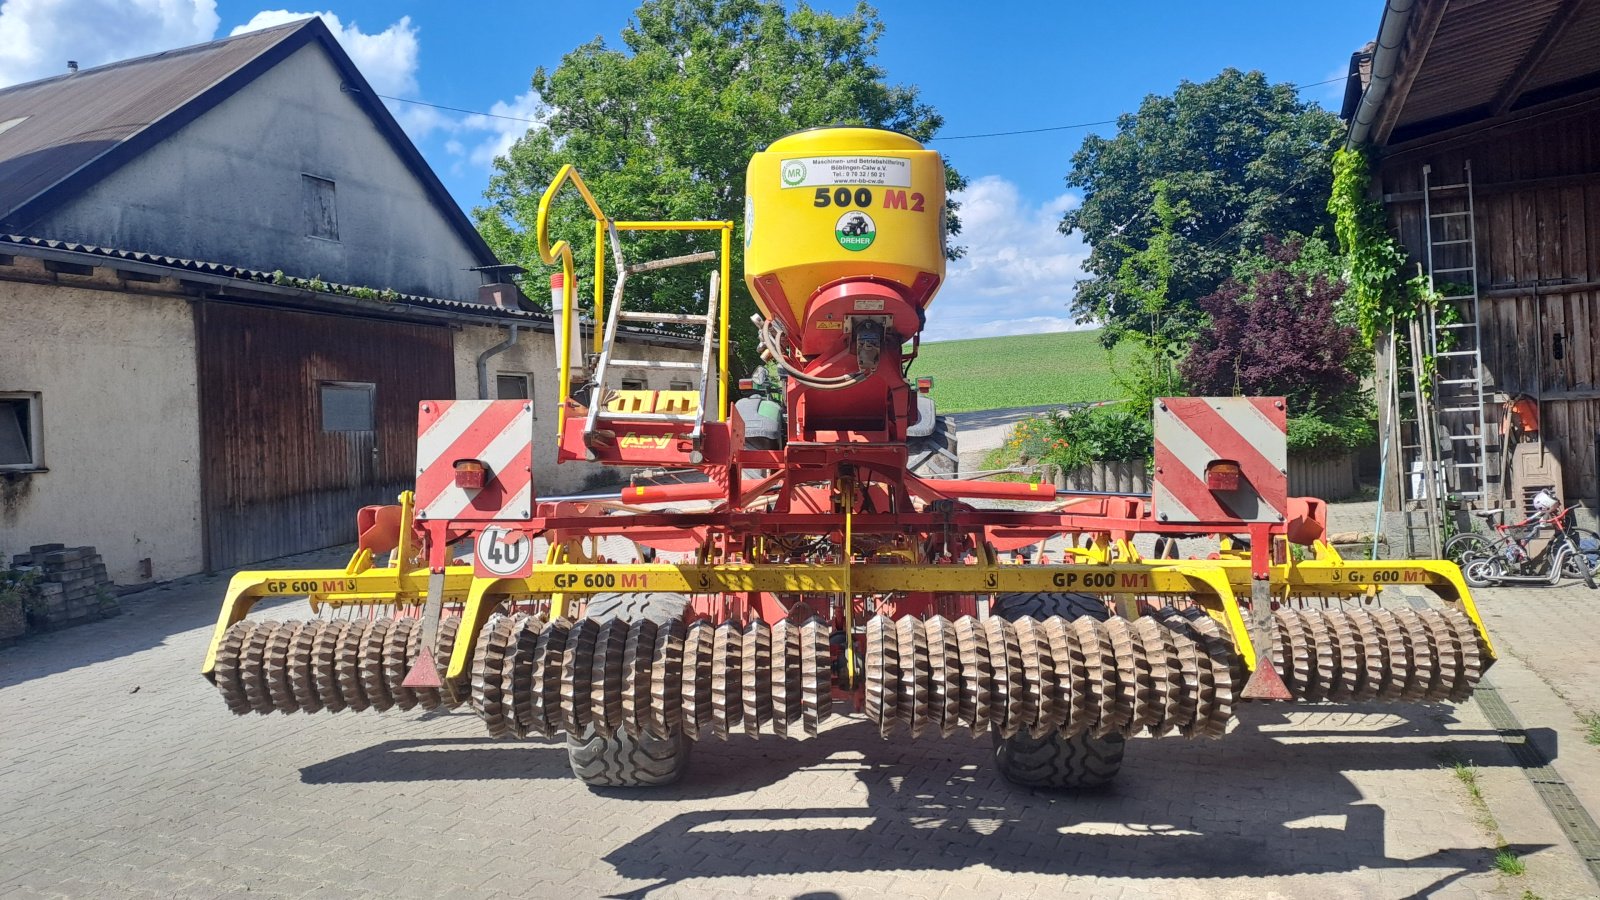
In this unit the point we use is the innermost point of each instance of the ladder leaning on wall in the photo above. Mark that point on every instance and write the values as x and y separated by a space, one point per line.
1443 429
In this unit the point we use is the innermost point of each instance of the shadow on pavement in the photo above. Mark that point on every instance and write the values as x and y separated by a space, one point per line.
1258 803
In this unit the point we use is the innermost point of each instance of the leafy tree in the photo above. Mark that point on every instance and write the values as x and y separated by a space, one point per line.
1144 282
664 128
1247 159
1277 333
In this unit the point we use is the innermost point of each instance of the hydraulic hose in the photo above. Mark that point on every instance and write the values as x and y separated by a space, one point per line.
765 332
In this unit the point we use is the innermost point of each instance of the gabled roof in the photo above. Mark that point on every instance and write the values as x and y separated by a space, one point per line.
60 135
1454 63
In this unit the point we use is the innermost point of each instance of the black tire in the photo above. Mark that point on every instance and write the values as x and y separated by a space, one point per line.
1043 606
1467 546
1576 564
1079 762
622 761
658 607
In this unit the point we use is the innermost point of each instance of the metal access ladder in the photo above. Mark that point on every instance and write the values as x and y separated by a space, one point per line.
1455 338
600 392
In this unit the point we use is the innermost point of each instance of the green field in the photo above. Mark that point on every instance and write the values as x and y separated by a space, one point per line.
1024 370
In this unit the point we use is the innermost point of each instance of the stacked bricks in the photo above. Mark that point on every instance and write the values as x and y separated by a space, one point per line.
72 586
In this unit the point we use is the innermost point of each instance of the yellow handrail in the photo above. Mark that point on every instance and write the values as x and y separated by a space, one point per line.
563 251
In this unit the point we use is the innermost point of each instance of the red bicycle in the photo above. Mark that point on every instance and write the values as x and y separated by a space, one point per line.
1541 549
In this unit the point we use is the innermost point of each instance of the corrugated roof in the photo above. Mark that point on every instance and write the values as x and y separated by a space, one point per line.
70 120
254 276
75 129
1484 58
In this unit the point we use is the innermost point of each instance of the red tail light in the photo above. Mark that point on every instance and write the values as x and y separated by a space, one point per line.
1222 475
470 474
924 384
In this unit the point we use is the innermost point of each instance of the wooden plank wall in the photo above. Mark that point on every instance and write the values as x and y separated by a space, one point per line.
1537 219
274 482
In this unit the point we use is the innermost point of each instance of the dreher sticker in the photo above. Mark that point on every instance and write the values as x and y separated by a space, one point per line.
855 230
826 171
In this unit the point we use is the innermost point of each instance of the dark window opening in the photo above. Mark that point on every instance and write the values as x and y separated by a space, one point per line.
322 216
19 431
634 384
513 386
348 405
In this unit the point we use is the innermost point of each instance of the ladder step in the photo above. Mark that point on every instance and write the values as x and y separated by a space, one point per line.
651 266
1456 269
1474 465
1449 187
1458 353
1452 243
1462 437
1446 215
665 318
1460 409
1454 325
1460 381
647 417
654 364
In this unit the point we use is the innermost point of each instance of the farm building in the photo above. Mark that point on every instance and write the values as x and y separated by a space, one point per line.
227 278
1483 123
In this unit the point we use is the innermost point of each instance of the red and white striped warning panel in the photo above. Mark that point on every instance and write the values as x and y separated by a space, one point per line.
475 460
1220 459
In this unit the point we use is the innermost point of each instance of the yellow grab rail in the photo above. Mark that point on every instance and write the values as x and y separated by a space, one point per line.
562 251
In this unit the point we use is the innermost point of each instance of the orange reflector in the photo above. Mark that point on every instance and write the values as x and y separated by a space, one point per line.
1222 475
924 384
747 384
470 474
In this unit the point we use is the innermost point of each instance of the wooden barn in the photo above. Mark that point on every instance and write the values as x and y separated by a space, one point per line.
1483 123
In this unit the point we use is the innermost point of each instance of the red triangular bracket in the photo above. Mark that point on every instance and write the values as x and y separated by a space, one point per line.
1265 683
424 674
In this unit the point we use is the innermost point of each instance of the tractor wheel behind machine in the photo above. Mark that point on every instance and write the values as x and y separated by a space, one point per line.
1055 760
622 759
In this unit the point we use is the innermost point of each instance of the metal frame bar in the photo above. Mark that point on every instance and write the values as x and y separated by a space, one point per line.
1214 584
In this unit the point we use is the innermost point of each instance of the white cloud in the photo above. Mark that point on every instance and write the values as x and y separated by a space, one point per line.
1019 274
37 37
387 58
502 132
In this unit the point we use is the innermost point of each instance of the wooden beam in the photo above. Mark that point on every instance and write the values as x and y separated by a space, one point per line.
1542 290
1492 188
1468 133
1418 39
1535 57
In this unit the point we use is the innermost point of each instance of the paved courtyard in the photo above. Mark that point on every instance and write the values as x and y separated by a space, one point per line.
122 775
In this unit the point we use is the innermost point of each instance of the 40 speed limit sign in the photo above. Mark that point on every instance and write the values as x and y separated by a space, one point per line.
502 553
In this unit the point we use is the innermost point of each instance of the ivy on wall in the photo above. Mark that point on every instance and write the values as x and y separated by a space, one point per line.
1374 261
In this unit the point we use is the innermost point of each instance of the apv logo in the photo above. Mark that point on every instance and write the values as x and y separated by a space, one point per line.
634 441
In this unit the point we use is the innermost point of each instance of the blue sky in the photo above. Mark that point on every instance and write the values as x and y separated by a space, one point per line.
986 67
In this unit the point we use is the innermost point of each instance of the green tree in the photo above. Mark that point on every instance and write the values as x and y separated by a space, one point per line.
1246 159
664 128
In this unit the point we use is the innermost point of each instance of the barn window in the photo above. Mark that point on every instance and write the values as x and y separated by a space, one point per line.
348 405
513 386
20 432
634 384
680 385
322 217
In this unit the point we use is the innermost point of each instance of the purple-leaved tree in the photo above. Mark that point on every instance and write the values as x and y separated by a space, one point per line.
1276 334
